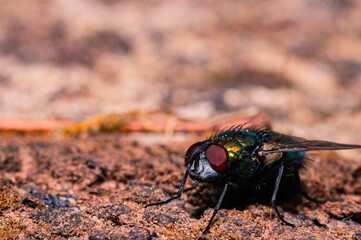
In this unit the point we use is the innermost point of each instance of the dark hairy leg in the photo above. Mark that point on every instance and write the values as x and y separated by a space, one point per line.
274 195
305 195
220 200
194 186
174 197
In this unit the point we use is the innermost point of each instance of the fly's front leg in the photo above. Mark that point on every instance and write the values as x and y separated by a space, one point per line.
194 186
220 200
174 197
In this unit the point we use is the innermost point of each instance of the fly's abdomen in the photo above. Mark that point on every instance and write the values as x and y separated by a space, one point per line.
295 159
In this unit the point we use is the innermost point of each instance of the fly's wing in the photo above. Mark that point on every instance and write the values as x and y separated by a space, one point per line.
277 142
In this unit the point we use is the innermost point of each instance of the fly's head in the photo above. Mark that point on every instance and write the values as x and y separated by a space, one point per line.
206 161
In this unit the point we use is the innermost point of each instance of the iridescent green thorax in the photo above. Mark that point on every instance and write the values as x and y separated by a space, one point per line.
240 144
239 140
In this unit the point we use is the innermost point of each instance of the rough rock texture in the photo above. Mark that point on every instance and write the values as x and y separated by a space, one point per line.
96 187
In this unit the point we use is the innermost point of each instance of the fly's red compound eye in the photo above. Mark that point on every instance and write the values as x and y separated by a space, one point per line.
191 149
217 157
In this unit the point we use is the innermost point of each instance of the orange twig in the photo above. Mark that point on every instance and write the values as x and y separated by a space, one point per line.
32 125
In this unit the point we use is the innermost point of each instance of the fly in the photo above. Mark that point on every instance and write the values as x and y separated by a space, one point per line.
249 158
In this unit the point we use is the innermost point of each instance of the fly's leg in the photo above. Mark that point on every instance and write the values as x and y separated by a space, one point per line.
274 195
174 197
194 186
305 195
220 200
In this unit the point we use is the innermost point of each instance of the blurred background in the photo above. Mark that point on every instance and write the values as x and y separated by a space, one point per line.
297 62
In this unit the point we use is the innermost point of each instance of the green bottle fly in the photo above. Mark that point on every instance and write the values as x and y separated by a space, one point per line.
249 158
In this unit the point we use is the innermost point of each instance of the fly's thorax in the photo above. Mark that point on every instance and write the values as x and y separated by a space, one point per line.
270 158
240 164
234 151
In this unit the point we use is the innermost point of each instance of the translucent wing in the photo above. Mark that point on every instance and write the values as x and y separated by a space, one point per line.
277 142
